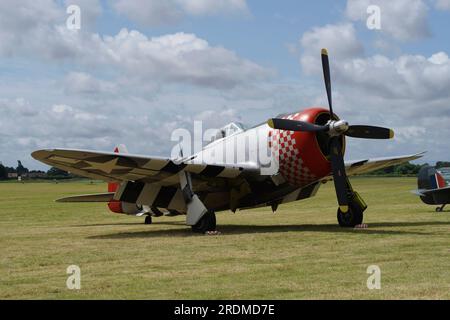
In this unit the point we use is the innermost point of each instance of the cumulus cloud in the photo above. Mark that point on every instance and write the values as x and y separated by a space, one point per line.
403 20
158 12
340 40
406 77
180 57
84 83
37 31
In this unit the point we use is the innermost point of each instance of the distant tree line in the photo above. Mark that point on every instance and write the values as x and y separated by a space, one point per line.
23 172
406 169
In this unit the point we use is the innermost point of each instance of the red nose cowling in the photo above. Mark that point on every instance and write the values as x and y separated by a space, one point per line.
301 160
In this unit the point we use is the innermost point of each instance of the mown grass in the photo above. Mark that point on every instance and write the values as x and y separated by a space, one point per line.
297 253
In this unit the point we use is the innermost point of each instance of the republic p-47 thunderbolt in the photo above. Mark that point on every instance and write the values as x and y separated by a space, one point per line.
307 148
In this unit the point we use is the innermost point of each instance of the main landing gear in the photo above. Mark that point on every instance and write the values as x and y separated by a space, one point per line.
206 223
354 215
441 208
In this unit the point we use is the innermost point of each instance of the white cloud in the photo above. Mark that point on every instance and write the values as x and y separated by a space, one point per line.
179 58
406 77
84 83
36 29
173 58
340 40
158 12
439 58
403 20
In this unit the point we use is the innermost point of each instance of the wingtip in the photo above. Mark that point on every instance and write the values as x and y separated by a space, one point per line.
324 52
40 154
36 154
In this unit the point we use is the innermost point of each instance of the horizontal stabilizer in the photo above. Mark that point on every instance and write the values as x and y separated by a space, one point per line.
423 192
96 197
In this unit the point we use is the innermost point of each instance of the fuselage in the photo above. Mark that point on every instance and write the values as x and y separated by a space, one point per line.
280 166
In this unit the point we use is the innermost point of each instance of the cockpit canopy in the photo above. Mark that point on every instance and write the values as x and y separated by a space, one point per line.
228 130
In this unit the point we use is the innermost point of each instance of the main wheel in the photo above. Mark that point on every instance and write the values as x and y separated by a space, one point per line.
148 220
351 218
206 223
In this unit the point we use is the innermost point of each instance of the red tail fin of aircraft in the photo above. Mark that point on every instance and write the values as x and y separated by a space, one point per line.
439 180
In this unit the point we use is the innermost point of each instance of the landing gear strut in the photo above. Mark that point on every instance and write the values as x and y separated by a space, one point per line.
354 215
148 220
441 208
206 223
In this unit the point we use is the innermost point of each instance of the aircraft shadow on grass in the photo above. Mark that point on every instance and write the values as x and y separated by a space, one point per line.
175 223
249 229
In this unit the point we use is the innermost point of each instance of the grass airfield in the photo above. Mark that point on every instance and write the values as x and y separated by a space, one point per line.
297 253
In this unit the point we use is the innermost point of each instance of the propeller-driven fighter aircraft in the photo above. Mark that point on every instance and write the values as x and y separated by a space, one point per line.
307 147
433 187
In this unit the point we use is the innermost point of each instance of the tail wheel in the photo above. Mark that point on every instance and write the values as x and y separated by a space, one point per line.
206 223
148 220
352 217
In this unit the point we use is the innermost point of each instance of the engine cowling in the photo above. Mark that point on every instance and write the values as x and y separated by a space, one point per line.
303 156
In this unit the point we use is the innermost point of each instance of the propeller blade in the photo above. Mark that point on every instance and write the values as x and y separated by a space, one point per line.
369 132
339 174
294 125
327 78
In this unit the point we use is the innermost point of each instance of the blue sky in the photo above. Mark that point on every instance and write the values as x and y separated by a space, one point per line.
137 70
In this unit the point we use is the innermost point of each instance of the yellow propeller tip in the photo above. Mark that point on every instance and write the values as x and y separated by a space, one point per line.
270 123
344 209
324 51
391 134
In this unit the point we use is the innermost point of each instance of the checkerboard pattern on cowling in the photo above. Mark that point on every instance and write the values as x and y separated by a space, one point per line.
284 145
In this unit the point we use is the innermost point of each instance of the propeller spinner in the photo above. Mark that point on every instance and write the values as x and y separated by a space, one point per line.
335 129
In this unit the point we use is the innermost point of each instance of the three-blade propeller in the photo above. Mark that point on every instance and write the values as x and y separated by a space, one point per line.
335 128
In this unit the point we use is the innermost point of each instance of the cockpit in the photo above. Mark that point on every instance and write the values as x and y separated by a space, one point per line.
228 130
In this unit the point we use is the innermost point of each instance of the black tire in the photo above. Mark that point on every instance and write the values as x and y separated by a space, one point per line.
148 220
206 223
353 217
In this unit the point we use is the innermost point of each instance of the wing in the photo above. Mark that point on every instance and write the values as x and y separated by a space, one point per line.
109 166
367 165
